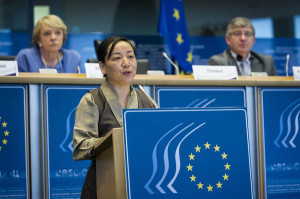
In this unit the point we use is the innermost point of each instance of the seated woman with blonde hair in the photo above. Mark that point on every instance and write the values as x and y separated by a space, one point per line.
48 37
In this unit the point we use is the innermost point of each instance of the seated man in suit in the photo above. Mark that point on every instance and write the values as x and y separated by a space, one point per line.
240 37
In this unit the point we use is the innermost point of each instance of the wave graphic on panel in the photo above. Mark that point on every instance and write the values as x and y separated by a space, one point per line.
289 125
178 129
69 133
200 104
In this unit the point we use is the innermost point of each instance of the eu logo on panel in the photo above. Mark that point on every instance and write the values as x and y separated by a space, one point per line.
170 157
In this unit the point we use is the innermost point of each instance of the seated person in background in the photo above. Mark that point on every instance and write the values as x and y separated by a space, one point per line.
240 37
48 37
100 110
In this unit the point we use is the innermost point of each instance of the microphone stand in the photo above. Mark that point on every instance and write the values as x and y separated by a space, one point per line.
173 64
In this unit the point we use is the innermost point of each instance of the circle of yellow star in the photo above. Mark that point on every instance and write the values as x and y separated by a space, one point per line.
192 156
200 185
217 148
6 133
190 167
219 185
197 148
4 124
227 166
209 188
193 178
4 141
207 145
224 156
225 176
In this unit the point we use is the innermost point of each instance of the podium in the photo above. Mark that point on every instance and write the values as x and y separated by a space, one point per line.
110 166
157 155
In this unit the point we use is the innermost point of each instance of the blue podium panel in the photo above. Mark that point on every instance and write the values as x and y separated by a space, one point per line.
195 97
187 153
65 176
13 142
280 127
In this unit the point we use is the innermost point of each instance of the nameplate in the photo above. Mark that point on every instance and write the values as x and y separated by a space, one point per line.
155 72
9 68
92 70
48 70
296 71
214 72
258 74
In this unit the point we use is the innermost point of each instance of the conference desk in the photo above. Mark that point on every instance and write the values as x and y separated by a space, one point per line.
44 114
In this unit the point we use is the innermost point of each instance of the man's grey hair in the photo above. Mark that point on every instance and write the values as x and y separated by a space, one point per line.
239 22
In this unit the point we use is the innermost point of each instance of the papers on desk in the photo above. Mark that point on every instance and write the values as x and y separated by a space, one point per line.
9 68
214 72
92 70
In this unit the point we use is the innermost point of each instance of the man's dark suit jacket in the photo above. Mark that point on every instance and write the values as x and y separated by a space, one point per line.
259 62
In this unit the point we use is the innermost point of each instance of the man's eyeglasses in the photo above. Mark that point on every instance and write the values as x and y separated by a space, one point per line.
239 33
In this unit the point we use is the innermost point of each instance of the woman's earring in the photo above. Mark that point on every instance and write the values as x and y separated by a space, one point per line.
40 44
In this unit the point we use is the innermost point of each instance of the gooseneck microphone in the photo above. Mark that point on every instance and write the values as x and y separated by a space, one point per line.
239 57
175 66
287 65
150 98
241 67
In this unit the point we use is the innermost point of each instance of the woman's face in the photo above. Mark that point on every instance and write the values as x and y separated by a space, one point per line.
51 39
120 68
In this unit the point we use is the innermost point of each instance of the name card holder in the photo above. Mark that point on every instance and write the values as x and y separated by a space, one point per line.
92 70
155 72
48 70
296 72
214 72
9 68
259 74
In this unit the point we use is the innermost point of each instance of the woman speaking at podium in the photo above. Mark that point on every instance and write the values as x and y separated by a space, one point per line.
100 110
49 35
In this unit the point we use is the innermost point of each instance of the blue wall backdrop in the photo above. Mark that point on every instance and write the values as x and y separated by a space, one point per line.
151 47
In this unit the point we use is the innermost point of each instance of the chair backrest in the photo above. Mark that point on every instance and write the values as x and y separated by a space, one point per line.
143 65
7 58
96 45
90 60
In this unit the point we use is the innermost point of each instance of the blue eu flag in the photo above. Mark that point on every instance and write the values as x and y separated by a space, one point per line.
172 26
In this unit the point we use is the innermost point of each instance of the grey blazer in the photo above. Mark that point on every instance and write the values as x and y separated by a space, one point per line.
259 62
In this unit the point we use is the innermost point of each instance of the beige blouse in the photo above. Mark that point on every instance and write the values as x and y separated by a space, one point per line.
85 134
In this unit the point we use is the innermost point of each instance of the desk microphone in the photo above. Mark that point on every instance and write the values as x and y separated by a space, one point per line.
287 65
78 70
175 66
150 98
239 57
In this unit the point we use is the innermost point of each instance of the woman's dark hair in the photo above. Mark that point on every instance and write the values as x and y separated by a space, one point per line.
113 40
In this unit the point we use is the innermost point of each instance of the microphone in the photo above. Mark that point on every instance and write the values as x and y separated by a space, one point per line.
239 57
287 65
150 98
175 66
77 70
